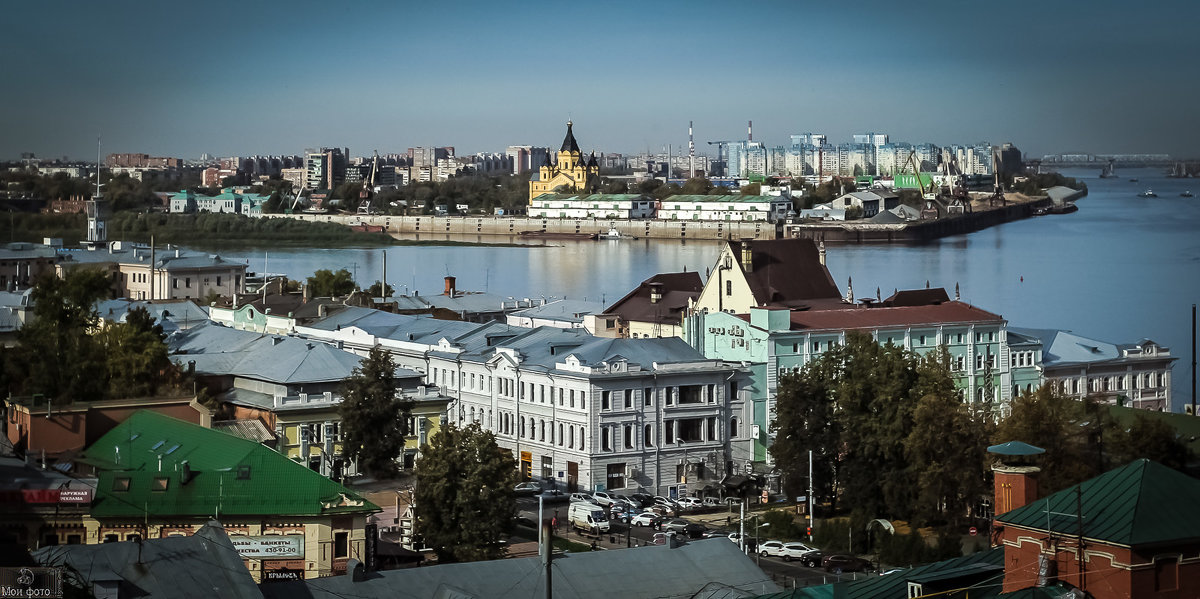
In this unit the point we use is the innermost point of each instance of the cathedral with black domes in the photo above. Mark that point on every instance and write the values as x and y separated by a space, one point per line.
569 173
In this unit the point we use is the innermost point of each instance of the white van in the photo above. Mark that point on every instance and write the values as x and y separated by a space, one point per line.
588 518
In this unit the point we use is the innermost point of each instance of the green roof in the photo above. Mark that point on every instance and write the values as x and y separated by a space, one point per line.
1141 503
229 475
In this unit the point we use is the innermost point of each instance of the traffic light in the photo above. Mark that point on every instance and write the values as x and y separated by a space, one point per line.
808 531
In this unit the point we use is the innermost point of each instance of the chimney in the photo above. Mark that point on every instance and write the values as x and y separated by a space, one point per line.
305 293
656 292
321 311
449 287
747 254
1015 475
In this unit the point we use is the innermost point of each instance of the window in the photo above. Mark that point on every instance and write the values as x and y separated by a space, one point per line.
728 287
560 434
110 538
816 346
121 483
921 340
628 436
581 436
542 426
187 282
691 394
218 280
604 399
341 544
628 399
733 428
570 436
605 439
648 397
159 483
648 435
669 432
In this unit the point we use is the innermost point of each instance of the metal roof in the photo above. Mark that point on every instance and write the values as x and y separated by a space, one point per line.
203 565
1141 503
561 310
230 476
869 318
650 572
219 350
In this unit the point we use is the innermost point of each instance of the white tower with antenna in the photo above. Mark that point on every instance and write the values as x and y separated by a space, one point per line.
97 211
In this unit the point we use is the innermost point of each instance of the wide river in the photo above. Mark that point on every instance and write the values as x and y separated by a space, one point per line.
1120 269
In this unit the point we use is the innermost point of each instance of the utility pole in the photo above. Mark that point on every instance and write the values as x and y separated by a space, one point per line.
811 499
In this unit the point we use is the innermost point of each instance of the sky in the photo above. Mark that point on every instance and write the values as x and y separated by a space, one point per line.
239 78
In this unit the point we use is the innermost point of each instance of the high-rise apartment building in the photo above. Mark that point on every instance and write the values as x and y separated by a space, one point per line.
325 168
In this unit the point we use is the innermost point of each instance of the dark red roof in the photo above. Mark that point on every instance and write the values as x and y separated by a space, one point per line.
869 318
786 272
677 289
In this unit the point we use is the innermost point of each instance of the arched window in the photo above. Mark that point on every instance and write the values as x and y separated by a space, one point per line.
733 428
542 426
571 437
560 434
581 438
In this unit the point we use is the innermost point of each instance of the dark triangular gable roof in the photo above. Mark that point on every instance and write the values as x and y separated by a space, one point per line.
569 143
786 272
677 289
1141 503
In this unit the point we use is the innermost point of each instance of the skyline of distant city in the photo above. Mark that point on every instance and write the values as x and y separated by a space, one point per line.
276 78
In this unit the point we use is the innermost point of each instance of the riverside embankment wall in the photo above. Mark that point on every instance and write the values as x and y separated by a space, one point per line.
514 225
915 232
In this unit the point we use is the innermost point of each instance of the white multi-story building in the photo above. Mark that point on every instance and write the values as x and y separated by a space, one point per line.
583 411
724 208
610 205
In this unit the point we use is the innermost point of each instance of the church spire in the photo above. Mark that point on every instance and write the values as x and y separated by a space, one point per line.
569 143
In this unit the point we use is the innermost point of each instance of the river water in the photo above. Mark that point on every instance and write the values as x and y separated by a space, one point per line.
1120 269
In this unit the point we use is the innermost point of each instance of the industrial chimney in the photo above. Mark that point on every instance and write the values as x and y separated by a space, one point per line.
450 290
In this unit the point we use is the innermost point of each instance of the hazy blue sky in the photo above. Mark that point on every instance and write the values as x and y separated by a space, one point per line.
182 78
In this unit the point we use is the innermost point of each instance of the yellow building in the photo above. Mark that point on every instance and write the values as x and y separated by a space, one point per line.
569 173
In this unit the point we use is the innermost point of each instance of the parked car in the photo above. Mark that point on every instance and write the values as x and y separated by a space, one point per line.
602 498
771 548
712 502
587 518
793 551
674 525
844 563
646 519
527 489
584 497
691 502
669 503
643 499
812 559
695 530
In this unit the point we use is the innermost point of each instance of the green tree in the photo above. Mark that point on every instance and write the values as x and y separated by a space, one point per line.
464 497
947 458
803 421
327 283
58 356
377 290
374 416
697 186
136 355
1151 438
1050 420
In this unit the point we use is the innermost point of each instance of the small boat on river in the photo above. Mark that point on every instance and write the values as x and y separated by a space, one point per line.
1186 194
1149 193
613 233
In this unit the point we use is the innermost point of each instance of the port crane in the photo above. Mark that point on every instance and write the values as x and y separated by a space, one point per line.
926 193
368 188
